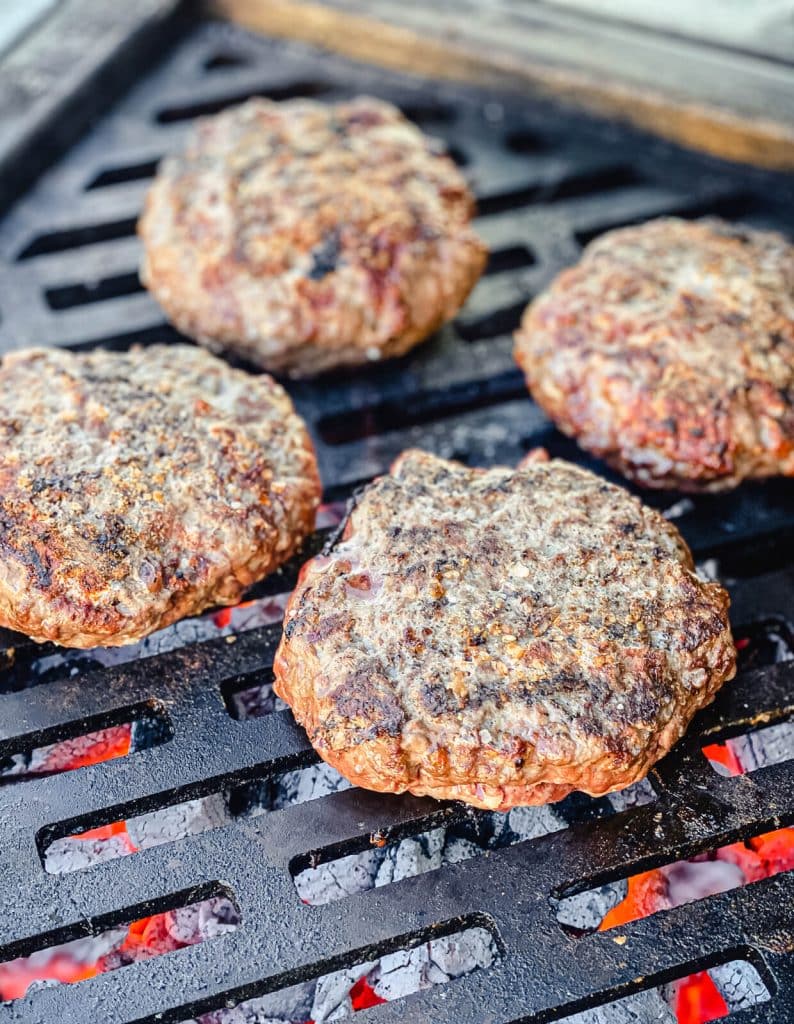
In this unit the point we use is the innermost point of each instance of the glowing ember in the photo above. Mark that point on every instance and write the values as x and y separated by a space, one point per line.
67 755
751 751
143 939
729 867
363 996
698 1000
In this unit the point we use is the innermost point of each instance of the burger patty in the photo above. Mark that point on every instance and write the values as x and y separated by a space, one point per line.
669 352
500 636
140 487
305 236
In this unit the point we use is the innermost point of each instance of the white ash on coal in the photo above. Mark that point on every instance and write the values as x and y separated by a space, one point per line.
772 745
672 885
255 701
474 835
191 817
740 985
117 947
737 983
743 754
337 995
584 911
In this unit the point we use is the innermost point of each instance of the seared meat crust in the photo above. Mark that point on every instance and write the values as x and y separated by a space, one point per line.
140 487
305 236
669 352
500 636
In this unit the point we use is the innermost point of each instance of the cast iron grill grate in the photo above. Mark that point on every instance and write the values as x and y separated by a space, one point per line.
548 181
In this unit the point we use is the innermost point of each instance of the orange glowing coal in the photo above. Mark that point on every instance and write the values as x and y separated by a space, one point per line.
102 745
145 938
697 998
60 964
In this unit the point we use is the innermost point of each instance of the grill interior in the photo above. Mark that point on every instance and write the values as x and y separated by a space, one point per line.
547 181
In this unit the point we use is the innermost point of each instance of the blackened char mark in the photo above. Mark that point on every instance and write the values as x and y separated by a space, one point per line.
325 255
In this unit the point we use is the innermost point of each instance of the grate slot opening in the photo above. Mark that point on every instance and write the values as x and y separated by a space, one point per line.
423 113
750 751
620 901
34 665
492 325
460 156
385 857
157 334
418 409
125 831
90 741
225 59
250 695
70 295
120 175
525 142
382 973
573 186
94 947
711 991
74 238
189 111
514 257
764 643
731 206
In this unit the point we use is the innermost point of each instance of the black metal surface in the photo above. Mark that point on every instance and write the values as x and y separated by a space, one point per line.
547 181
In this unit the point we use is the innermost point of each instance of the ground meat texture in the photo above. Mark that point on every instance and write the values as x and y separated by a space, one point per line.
305 236
500 636
140 487
669 352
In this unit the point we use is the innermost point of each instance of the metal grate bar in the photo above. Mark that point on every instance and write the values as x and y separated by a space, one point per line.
548 180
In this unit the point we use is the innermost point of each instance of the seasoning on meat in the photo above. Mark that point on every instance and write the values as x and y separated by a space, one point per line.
669 352
305 236
137 488
500 636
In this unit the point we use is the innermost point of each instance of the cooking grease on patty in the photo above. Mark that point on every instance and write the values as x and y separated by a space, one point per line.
140 487
500 636
305 236
669 352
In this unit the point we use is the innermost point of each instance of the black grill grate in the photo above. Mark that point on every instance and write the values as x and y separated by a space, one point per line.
548 181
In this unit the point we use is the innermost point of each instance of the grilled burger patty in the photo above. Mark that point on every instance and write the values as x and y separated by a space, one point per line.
500 636
669 351
140 487
305 236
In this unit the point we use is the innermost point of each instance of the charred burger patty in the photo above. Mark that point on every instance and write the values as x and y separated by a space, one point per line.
500 636
669 352
305 236
140 487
